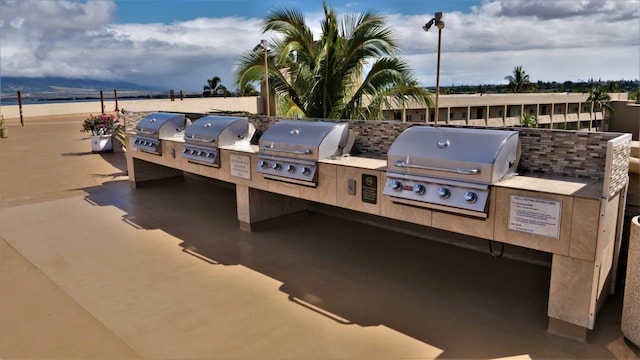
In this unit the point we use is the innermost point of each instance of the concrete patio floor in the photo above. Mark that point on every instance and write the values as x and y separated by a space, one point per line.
90 268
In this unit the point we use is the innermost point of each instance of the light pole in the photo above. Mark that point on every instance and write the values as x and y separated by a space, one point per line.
439 22
263 46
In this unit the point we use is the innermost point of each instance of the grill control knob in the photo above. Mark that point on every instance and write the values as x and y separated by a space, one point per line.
277 166
419 189
470 197
444 193
306 171
291 169
396 185
263 164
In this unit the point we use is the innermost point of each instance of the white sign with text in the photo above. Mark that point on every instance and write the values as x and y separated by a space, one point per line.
240 166
535 216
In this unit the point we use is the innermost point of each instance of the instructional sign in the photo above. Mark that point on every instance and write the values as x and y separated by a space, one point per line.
369 188
535 216
240 166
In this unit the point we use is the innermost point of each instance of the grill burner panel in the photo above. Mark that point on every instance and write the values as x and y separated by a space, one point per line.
292 169
439 194
290 149
206 134
449 169
151 145
152 128
207 155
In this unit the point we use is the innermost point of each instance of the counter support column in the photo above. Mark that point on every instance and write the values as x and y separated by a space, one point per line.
141 171
257 205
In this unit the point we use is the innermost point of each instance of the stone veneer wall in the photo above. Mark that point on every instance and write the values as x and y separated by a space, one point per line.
619 166
553 152
564 153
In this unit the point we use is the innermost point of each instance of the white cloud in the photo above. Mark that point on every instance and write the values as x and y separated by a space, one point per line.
552 40
485 45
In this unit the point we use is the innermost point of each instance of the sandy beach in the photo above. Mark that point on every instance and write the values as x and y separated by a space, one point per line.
91 268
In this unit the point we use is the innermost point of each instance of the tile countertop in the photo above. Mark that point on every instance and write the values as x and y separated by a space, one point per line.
177 137
359 162
242 146
352 161
583 188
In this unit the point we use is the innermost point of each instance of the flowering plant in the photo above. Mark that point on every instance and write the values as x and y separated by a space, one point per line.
100 124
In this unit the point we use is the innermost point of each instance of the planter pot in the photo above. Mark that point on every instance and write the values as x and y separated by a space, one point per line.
101 143
4 132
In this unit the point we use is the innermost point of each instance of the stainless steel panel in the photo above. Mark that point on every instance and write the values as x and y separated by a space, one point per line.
310 140
472 155
148 144
160 125
217 130
438 194
202 154
303 172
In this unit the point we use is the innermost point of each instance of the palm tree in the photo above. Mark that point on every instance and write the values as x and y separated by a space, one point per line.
248 90
519 81
213 85
528 120
600 101
325 78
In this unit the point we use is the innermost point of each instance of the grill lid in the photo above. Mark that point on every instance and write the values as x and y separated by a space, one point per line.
312 140
218 130
160 124
474 155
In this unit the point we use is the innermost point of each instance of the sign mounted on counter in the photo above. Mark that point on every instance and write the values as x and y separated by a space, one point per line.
369 189
240 166
535 216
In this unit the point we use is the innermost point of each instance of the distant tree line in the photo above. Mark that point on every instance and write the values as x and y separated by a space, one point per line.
214 87
546 86
519 82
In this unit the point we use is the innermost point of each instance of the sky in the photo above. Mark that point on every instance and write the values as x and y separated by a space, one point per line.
179 44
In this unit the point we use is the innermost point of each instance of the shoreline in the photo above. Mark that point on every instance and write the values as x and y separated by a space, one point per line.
249 104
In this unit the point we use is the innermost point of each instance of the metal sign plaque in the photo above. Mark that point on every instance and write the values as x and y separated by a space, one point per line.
535 216
369 189
240 166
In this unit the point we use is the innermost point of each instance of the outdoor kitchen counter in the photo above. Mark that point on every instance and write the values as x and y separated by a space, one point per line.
358 162
571 218
585 188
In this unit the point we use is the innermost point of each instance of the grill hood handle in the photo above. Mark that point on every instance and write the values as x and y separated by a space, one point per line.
298 152
193 137
400 163
146 131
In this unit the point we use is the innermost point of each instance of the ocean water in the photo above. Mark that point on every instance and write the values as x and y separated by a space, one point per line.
54 98
8 102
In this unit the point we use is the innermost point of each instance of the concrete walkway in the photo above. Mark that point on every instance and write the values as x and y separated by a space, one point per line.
90 268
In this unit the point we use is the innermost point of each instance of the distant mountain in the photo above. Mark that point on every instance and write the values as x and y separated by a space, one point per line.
48 87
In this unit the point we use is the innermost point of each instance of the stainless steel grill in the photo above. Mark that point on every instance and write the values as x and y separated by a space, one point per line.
449 169
290 149
151 129
207 134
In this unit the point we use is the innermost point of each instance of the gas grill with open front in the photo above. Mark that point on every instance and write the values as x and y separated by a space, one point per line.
290 149
449 169
151 129
205 135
